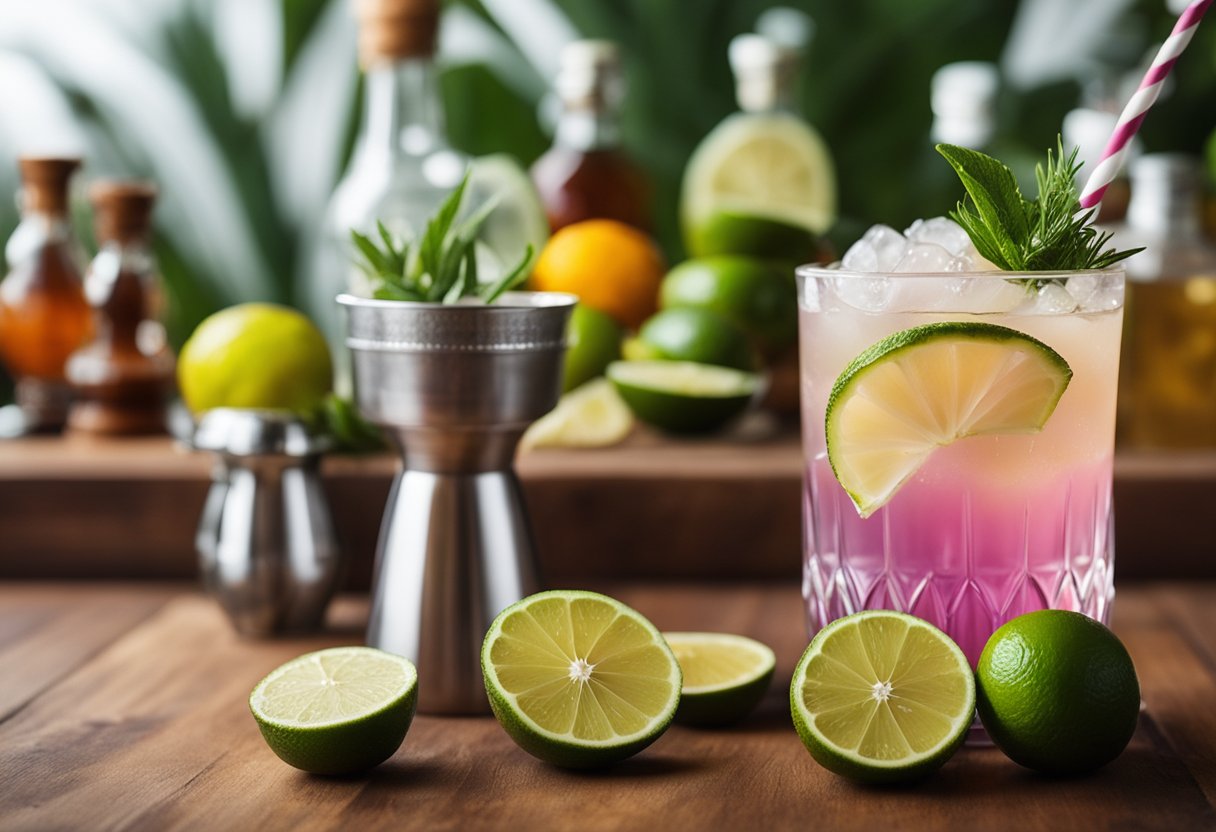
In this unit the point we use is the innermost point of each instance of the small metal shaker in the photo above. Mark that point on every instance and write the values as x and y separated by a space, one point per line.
454 387
266 542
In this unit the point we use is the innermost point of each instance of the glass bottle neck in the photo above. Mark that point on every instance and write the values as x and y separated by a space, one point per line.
403 113
585 129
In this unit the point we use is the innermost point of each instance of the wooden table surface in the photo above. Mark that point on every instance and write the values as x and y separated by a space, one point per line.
123 706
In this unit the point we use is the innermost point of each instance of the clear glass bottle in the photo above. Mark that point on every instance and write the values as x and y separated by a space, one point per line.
1167 382
586 174
402 166
44 315
124 375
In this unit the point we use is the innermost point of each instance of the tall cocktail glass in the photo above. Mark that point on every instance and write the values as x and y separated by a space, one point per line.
990 527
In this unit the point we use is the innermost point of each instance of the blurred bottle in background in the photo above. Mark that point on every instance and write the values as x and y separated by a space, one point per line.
124 375
1167 385
44 316
402 165
586 174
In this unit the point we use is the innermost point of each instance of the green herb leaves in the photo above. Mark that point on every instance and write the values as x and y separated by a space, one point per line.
1019 235
441 267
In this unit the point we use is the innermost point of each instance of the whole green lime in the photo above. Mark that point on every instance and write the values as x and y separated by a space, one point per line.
689 333
255 355
747 292
1057 692
593 342
735 232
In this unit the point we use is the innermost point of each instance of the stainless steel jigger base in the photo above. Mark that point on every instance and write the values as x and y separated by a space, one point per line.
454 551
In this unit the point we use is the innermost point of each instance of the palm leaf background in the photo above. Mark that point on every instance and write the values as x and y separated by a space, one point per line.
244 110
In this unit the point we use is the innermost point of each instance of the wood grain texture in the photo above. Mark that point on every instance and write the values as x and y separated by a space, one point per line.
151 731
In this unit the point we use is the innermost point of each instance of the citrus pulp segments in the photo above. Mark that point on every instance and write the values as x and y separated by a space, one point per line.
882 696
578 679
761 165
592 415
928 386
725 676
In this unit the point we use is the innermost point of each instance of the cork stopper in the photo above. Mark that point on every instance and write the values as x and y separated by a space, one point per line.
122 209
391 30
45 183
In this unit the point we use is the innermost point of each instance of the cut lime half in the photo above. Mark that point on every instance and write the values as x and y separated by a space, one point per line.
929 386
882 697
725 676
682 396
579 679
337 711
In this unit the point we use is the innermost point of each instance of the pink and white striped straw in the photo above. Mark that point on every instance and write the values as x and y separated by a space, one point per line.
1137 108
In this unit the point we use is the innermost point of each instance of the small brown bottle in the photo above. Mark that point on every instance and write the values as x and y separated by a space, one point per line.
124 375
44 316
586 175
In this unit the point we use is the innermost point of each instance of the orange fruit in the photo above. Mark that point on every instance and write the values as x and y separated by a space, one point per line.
611 266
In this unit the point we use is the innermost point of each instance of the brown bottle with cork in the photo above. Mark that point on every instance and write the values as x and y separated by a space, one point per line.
123 376
44 316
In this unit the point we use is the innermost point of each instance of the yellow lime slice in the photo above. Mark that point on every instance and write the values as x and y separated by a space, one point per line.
725 676
929 386
590 416
518 218
881 697
579 679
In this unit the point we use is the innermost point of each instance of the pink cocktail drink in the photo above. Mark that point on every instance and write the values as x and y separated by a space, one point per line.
989 527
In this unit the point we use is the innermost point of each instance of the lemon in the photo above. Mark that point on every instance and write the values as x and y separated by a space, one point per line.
689 333
772 166
611 266
593 341
579 679
755 297
591 416
338 711
929 386
725 676
1058 692
255 355
682 396
882 697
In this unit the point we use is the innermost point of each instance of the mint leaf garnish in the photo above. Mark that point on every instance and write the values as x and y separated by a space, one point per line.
1019 235
441 267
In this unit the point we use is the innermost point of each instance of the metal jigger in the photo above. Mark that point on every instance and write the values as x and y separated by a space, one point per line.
455 386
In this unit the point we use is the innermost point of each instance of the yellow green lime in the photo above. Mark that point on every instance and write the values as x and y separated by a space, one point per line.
732 232
593 341
749 293
925 387
689 333
518 218
882 697
725 676
255 355
579 679
1057 692
683 396
590 416
338 711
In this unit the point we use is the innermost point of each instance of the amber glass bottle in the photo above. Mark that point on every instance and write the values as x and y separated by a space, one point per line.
123 376
44 315
585 174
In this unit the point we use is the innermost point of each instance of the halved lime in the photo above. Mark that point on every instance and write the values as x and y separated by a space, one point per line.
771 166
337 711
579 679
590 416
725 676
882 697
929 386
518 218
681 396
733 232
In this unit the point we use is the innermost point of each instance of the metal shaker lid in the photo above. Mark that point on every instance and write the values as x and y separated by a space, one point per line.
242 432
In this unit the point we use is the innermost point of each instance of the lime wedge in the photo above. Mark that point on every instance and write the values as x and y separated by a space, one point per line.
590 416
929 386
682 396
771 166
579 679
725 676
882 697
337 711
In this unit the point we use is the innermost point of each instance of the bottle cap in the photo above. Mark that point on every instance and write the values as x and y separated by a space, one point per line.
764 71
122 209
390 30
45 182
963 100
589 75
